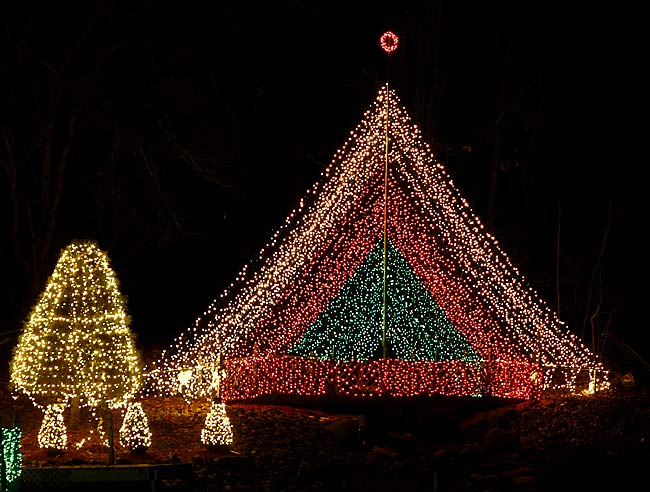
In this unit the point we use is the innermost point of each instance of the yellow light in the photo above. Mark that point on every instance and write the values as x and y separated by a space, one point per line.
134 433
52 434
217 430
77 344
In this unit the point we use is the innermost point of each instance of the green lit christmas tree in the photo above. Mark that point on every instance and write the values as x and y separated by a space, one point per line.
351 326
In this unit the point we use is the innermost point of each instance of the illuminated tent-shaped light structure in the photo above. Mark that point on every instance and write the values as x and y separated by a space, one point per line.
381 282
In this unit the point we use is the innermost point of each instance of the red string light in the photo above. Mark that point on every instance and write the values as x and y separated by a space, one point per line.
252 377
388 41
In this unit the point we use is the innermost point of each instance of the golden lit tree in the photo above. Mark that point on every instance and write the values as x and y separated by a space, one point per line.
217 430
76 345
134 433
52 434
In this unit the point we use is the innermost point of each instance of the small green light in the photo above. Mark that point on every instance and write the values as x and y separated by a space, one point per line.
13 458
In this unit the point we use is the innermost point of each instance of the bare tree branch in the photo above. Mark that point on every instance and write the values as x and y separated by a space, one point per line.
596 268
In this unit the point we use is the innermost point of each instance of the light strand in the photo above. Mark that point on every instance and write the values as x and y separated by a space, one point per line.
324 242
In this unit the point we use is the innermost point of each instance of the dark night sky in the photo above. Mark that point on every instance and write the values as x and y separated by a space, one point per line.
203 123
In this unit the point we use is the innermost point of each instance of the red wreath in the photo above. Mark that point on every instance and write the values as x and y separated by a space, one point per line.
388 42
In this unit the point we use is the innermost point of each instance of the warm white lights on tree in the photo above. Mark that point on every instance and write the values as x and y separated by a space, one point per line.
217 430
77 347
52 434
134 433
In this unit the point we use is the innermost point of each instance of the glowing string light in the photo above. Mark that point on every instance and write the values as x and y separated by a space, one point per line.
76 344
417 330
217 430
388 41
134 432
515 344
52 434
13 458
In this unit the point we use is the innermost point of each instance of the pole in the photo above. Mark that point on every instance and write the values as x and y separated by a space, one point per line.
388 42
111 439
383 310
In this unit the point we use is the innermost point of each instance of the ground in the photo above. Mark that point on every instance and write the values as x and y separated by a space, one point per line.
555 443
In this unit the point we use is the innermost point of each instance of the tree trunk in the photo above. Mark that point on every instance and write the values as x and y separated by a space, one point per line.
557 257
111 441
498 136
430 81
525 167
74 413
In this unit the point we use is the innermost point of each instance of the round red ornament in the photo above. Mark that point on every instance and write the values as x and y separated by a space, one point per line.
388 41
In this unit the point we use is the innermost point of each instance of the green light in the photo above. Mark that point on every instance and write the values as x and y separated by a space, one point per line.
13 459
351 326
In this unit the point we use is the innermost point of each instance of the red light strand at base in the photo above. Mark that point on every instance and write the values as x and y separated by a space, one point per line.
252 377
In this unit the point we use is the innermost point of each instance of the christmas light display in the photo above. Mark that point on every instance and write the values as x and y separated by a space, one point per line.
217 430
388 42
417 328
134 433
13 459
305 317
76 344
52 434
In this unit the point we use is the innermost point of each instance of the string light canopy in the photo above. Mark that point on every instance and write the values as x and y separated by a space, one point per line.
308 316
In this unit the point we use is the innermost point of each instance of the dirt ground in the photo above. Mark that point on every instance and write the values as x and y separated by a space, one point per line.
435 444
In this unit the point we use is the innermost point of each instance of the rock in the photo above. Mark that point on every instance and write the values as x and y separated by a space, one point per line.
524 483
472 428
573 467
497 440
382 452
469 453
518 472
345 432
403 442
442 453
